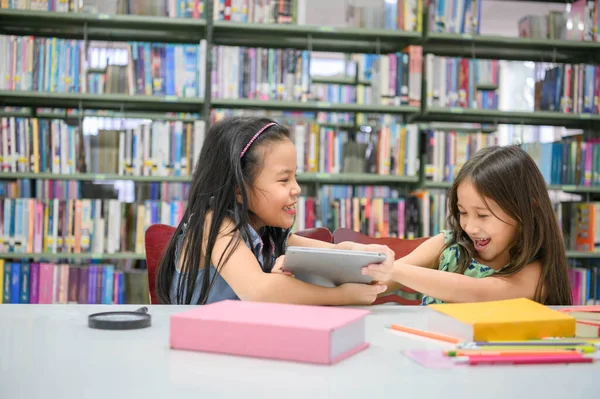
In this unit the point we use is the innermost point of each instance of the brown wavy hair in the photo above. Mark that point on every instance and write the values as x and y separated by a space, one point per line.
510 177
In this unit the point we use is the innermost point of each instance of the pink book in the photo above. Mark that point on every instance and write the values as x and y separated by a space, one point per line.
46 282
310 334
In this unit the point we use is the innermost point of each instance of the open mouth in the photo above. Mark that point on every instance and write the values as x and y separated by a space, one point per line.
290 209
481 243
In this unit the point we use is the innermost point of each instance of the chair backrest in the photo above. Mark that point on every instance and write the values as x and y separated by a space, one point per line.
159 235
316 233
156 239
401 248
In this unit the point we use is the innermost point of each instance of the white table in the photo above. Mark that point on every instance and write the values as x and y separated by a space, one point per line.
47 351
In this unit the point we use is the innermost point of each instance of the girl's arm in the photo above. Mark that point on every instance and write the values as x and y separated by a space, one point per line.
453 287
425 255
295 240
245 276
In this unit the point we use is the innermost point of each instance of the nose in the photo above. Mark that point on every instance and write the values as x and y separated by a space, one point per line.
470 226
296 189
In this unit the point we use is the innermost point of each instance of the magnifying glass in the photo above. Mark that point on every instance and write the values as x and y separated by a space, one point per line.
120 320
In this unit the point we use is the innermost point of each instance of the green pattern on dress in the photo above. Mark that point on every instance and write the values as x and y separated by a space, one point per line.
449 263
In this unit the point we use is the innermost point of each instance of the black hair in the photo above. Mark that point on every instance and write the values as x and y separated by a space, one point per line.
220 174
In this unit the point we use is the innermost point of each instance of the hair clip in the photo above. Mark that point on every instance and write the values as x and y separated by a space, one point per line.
268 125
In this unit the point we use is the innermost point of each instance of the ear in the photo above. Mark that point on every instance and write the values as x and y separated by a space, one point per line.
238 195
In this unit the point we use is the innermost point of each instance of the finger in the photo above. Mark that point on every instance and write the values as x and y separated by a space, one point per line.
379 288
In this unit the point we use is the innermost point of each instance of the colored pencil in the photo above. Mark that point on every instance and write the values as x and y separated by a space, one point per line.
581 348
456 353
427 334
482 360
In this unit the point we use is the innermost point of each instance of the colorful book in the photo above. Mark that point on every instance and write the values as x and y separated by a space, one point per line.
311 334
513 319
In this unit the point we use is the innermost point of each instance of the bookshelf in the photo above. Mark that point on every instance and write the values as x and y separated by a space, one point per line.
512 49
542 118
316 38
74 257
322 178
130 28
312 38
106 27
116 102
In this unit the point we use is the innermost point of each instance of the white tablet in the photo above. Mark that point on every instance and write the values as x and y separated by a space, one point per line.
329 267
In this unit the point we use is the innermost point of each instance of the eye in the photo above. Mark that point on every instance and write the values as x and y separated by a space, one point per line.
483 216
462 213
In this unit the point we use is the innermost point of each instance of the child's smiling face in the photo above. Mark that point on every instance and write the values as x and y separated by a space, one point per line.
487 225
275 193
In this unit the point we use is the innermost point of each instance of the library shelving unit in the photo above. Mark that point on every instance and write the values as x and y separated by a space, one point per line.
313 38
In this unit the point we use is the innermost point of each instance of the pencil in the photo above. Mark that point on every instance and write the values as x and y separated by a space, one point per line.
580 348
456 353
527 359
427 334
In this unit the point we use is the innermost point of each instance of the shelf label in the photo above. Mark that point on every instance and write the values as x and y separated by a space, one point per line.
569 188
103 16
326 28
100 177
170 98
457 110
96 256
466 36
323 175
585 116
323 104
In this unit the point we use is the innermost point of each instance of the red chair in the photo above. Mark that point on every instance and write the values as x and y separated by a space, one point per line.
156 240
400 247
159 235
316 233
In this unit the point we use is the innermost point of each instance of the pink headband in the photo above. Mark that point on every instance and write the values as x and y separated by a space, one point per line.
268 125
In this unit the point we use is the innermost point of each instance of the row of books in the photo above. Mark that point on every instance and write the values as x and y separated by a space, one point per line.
256 11
160 8
446 152
109 226
158 149
42 145
571 161
40 189
455 16
405 15
392 150
580 222
60 283
82 225
60 65
459 82
260 73
570 89
582 280
578 21
391 14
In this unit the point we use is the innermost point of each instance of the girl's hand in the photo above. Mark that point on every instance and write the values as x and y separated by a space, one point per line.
278 267
382 271
360 294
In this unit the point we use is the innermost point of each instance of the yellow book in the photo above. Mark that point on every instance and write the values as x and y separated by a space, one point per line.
507 320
